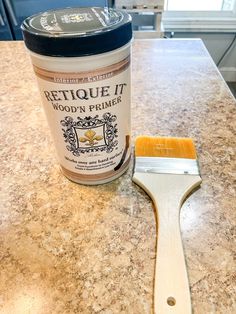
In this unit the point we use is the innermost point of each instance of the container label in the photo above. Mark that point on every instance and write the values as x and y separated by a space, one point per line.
89 117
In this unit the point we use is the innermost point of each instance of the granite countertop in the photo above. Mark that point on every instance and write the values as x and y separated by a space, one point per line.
69 248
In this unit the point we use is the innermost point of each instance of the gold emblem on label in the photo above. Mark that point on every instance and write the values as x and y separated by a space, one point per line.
91 138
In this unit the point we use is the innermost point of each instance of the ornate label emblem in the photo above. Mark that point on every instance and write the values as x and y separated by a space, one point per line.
90 134
91 138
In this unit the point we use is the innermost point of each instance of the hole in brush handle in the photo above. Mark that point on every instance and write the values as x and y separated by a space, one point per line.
171 301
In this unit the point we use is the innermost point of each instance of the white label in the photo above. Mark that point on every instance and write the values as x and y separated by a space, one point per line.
89 117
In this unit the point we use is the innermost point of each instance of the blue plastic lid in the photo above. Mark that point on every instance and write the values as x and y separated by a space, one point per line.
74 32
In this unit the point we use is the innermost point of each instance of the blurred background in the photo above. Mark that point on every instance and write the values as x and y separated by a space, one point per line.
214 21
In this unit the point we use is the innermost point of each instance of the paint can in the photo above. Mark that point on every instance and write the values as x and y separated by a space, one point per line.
81 57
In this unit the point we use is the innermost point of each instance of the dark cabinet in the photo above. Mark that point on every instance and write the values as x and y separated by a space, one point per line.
5 29
13 12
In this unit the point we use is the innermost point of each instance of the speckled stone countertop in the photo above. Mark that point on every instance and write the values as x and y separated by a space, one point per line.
68 248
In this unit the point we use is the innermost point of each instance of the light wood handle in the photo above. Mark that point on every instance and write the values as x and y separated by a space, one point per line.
172 294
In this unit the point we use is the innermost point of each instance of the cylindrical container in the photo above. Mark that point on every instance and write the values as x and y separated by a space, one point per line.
81 57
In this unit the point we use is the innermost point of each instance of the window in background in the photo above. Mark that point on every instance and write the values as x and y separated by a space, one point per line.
200 15
199 5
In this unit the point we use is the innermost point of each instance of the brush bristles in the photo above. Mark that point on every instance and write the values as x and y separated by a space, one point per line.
170 147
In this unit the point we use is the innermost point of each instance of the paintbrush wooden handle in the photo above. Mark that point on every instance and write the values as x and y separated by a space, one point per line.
172 294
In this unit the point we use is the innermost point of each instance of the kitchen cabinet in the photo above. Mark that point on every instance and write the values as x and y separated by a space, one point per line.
5 29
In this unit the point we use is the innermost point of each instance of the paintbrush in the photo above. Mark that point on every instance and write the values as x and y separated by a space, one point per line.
167 169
